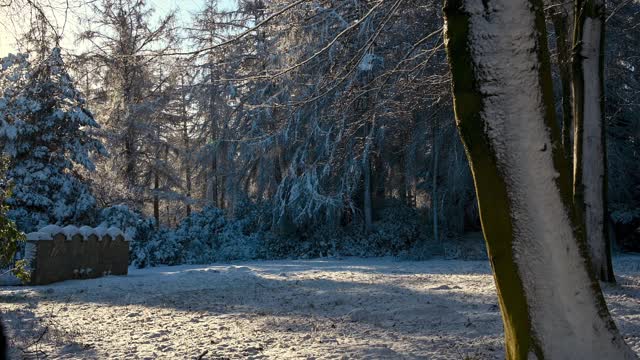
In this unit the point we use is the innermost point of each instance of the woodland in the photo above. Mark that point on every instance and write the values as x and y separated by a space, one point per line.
303 129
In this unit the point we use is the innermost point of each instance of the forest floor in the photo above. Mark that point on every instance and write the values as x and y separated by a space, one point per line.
309 309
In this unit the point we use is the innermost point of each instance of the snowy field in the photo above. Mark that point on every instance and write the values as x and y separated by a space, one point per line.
309 309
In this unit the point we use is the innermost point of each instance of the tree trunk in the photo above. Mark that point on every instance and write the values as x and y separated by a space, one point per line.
400 171
368 215
378 183
212 181
552 306
410 175
589 151
562 23
187 147
156 197
434 184
128 123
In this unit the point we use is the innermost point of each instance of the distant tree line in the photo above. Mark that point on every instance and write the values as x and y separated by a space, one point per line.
325 114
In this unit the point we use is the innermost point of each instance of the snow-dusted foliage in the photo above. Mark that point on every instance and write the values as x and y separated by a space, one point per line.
148 245
197 235
398 230
45 130
11 238
208 235
622 105
204 237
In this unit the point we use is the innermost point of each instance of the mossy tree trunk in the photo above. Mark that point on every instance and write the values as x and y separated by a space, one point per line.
552 306
589 150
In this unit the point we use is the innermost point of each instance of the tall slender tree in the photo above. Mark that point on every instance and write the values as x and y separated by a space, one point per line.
552 306
127 49
589 152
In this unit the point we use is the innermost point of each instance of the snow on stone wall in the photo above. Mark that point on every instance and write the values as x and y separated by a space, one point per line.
62 253
50 231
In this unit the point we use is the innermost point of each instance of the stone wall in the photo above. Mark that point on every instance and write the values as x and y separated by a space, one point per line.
58 254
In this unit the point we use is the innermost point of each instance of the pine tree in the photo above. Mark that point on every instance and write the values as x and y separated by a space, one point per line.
45 130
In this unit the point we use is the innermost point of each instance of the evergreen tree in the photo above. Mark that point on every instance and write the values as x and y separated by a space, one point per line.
10 237
45 130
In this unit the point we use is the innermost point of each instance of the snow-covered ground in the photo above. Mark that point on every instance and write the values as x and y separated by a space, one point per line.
308 309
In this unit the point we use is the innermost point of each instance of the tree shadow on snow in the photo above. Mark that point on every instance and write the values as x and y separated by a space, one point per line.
403 301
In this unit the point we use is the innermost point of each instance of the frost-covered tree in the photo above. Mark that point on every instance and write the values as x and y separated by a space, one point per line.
125 51
590 160
552 305
561 14
322 112
46 132
622 106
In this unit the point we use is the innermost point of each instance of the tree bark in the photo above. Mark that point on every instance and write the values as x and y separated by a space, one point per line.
552 306
434 180
212 181
366 169
589 151
378 183
156 197
400 171
563 23
368 216
187 147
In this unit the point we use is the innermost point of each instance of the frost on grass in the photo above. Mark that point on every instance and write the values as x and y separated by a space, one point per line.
325 309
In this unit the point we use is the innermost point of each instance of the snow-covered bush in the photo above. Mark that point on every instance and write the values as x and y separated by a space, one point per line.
204 237
276 246
160 248
253 217
148 246
397 230
132 223
45 130
208 236
198 235
234 244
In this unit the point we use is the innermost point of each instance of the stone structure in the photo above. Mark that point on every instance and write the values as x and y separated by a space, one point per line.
57 254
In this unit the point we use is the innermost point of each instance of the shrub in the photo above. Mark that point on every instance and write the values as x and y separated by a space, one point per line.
11 239
197 235
148 246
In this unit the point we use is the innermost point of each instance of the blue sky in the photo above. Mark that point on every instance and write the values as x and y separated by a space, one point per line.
184 8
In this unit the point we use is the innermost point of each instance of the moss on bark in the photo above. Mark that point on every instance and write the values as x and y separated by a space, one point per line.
490 187
493 198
